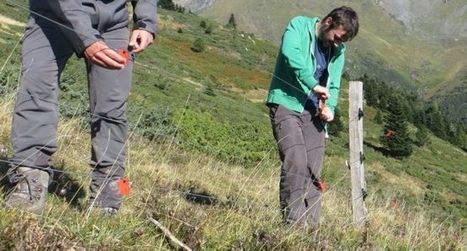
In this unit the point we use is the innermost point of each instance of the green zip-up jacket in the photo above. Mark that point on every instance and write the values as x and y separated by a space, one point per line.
293 76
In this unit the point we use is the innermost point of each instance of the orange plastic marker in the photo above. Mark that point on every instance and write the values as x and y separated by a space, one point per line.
124 186
124 53
323 186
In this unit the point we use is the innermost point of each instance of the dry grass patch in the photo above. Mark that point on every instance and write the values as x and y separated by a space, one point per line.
30 234
209 204
4 20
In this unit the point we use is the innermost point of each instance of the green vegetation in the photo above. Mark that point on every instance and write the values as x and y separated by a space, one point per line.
337 126
232 22
169 5
396 137
203 161
422 137
203 24
429 56
402 106
198 45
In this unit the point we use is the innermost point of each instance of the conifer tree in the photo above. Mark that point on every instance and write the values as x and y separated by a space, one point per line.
166 4
370 91
383 91
232 22
378 117
396 136
436 121
203 24
422 137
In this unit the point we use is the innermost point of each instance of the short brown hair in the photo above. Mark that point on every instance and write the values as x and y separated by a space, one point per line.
346 17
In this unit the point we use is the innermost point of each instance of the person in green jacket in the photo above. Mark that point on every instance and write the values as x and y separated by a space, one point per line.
302 98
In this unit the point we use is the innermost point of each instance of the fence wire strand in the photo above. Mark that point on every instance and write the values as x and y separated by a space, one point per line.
167 73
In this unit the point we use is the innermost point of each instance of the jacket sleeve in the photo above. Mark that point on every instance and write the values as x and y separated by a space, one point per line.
144 15
294 53
72 15
335 84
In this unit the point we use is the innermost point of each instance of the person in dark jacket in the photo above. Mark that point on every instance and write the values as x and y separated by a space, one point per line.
95 30
308 72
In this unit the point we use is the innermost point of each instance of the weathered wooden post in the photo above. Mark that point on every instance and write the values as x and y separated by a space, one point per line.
356 152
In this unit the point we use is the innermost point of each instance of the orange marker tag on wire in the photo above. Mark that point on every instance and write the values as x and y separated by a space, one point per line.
124 186
323 186
124 54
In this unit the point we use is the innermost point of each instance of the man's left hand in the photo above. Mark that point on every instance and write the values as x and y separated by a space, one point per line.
140 39
326 114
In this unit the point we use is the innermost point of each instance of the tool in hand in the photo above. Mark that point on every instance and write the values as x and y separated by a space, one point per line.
124 53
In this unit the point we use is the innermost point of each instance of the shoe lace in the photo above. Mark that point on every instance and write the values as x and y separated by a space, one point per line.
19 178
29 188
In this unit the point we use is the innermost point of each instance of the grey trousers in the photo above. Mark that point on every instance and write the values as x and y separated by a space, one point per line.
300 138
45 52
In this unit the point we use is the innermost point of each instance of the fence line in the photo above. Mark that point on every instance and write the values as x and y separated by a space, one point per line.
169 74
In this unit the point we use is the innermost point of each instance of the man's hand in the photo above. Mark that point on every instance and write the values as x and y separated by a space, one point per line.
140 39
326 114
321 92
99 53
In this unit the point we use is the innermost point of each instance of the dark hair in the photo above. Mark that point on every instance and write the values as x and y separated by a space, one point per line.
346 17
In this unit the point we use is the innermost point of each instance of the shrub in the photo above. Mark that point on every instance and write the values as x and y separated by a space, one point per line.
209 29
198 45
203 24
243 142
154 123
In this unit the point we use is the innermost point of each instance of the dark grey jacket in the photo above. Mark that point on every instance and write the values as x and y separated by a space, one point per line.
87 19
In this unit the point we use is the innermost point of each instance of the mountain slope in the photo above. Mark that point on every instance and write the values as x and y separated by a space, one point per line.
437 21
203 162
421 48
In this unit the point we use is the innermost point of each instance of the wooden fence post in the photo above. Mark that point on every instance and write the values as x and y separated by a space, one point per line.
356 152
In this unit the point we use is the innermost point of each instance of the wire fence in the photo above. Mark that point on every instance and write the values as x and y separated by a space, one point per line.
185 194
237 200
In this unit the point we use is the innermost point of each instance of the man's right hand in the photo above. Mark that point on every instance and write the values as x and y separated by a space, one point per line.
99 53
321 92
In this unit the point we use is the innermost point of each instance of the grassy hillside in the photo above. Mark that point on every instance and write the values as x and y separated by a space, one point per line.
203 161
385 48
